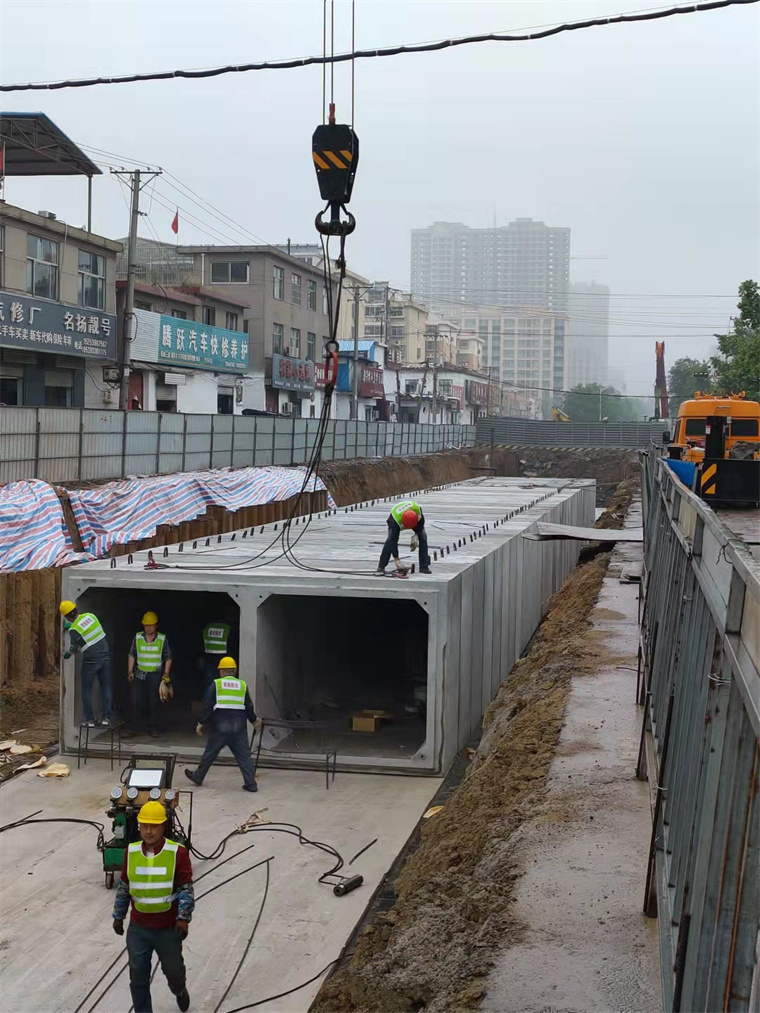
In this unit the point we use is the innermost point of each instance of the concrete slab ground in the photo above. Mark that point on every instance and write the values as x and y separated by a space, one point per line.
55 913
588 946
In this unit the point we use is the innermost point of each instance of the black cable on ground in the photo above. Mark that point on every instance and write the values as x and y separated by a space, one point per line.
59 819
290 991
248 944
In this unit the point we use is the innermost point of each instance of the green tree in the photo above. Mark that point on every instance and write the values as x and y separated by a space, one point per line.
737 365
685 377
588 402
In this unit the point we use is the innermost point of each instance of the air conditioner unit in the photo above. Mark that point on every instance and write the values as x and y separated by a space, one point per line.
374 415
47 214
287 408
292 352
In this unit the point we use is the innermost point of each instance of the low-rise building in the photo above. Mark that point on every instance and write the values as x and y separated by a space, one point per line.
57 310
395 318
182 360
441 341
444 395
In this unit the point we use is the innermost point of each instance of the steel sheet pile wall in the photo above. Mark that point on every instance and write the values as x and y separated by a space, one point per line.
701 748
543 433
484 599
77 444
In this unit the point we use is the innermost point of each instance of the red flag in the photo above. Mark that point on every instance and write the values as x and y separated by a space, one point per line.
175 223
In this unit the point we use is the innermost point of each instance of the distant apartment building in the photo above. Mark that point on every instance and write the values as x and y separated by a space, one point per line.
524 349
58 326
525 263
441 341
587 344
398 320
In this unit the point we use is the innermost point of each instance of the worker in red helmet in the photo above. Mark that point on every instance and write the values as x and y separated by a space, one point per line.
405 515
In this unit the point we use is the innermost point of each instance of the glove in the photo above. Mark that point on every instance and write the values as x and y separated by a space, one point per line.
131 676
67 655
181 927
165 691
415 543
118 926
199 729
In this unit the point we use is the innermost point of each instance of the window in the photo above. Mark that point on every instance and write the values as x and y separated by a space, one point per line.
180 314
324 300
57 397
444 388
295 342
209 316
278 282
744 427
224 403
277 339
295 289
139 305
229 272
412 387
311 345
9 386
311 297
397 332
42 267
231 321
92 280
695 427
419 353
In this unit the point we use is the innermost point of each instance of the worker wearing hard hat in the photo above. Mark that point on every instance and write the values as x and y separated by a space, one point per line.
227 706
149 667
216 638
406 515
88 638
157 877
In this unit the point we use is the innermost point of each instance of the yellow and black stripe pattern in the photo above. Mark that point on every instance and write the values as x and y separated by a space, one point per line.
332 159
707 481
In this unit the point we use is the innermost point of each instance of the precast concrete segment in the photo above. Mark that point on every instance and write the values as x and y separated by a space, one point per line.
484 599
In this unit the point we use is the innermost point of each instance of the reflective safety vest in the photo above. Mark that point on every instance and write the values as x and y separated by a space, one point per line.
151 879
215 638
149 654
230 694
89 629
401 508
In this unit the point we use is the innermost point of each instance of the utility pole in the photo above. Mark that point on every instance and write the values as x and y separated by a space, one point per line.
127 334
355 387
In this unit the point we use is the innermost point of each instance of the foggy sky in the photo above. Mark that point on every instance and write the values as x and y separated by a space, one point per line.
643 139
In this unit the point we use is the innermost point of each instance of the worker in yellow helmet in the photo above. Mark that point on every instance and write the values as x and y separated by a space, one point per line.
149 669
227 706
157 878
88 638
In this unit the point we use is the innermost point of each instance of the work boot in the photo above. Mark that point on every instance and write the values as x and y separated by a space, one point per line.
425 569
248 787
380 571
183 1000
190 775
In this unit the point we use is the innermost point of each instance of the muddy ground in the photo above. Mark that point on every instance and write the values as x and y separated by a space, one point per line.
433 948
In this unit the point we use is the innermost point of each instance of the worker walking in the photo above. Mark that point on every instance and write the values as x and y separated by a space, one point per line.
227 706
157 877
215 640
149 669
87 636
405 515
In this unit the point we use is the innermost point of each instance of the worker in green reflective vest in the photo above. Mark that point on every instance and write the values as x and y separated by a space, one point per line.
216 638
406 515
149 669
88 638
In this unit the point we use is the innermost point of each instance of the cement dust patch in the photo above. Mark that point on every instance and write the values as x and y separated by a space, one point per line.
56 912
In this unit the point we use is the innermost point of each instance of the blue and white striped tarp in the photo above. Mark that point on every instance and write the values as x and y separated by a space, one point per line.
130 510
33 532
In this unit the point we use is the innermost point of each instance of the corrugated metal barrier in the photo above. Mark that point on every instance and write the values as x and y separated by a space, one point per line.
540 433
80 444
700 748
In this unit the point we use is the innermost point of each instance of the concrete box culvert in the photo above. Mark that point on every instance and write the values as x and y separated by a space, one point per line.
318 644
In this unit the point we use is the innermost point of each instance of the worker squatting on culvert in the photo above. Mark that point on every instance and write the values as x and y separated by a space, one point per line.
149 669
407 515
227 707
157 877
87 636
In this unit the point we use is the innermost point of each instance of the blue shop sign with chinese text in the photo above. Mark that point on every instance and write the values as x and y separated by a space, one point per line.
43 326
188 343
292 374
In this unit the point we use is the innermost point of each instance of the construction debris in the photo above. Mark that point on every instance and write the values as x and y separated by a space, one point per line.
56 770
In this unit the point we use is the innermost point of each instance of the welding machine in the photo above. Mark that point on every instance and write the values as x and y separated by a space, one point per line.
140 784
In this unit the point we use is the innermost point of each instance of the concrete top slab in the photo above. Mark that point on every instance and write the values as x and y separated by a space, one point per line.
56 937
464 523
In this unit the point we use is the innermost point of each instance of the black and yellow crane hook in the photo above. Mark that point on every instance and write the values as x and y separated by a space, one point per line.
335 153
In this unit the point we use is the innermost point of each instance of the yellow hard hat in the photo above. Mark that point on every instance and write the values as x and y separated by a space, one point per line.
150 619
66 607
227 663
152 812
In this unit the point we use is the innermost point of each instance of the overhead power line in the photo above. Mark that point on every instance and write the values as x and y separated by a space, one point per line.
368 54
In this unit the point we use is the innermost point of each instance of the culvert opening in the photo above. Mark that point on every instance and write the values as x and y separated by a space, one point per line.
325 660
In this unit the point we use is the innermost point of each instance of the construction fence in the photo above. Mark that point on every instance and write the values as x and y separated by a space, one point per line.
84 445
540 433
700 747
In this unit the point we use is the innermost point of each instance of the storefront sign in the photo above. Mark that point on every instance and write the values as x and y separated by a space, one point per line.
187 343
55 327
477 393
292 374
320 375
458 393
371 382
